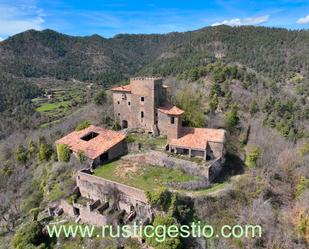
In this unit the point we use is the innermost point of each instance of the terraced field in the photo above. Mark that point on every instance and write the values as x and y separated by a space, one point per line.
59 102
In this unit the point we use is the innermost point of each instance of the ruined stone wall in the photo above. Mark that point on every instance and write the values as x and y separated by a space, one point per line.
66 207
91 217
94 187
122 107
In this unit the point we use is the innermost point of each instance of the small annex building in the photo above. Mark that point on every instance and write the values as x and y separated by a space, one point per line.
206 143
98 145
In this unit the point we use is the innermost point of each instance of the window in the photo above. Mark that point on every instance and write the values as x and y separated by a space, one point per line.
118 102
118 114
89 136
142 114
156 121
172 120
142 99
129 103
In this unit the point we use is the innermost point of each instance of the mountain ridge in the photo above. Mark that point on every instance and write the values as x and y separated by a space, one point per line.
110 60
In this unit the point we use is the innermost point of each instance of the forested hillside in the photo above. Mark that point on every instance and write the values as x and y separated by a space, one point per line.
277 53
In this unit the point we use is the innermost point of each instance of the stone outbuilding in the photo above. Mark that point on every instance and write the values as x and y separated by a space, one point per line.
206 143
97 144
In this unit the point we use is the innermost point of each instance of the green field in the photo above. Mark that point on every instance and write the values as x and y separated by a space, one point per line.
145 177
52 106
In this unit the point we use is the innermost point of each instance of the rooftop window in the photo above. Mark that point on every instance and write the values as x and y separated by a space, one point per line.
89 136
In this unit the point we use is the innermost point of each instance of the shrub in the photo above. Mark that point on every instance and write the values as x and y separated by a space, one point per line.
83 125
100 98
63 152
232 118
30 236
21 154
130 139
301 186
160 199
252 157
116 126
253 107
32 149
163 241
81 156
304 150
45 152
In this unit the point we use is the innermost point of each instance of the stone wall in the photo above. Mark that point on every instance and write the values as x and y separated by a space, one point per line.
215 168
205 173
67 208
91 217
94 187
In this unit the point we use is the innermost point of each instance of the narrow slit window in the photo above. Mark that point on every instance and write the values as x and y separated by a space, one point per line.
172 120
142 114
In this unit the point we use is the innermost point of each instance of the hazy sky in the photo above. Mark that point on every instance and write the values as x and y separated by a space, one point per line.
107 18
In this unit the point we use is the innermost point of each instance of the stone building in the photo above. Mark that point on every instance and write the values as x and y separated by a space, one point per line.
143 105
97 144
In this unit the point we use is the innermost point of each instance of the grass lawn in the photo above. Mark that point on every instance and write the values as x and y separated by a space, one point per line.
145 177
147 139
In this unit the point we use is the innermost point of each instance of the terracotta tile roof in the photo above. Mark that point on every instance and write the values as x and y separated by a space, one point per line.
126 88
170 109
93 148
197 138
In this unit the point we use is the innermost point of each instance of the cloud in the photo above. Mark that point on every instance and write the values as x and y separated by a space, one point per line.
244 21
15 19
303 20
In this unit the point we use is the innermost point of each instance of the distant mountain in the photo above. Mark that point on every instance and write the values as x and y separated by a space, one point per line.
276 53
